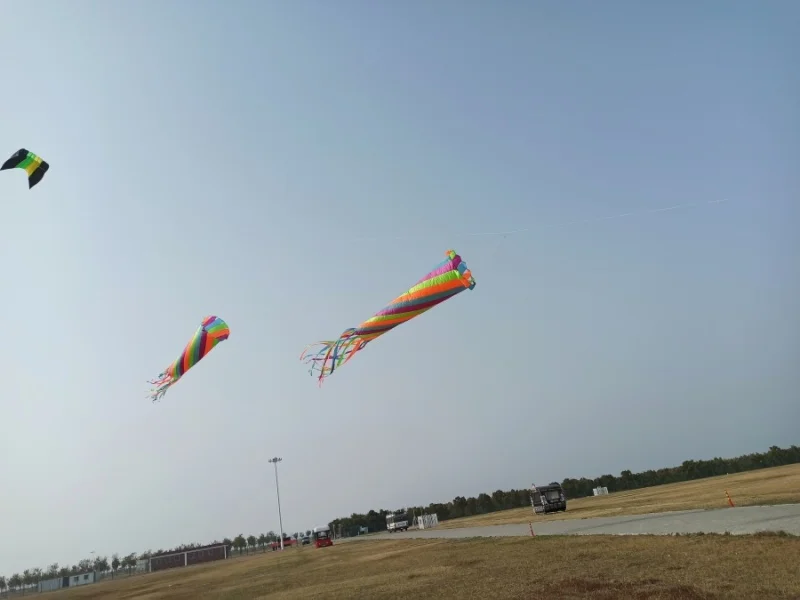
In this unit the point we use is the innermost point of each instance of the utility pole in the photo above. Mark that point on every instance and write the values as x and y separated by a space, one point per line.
275 460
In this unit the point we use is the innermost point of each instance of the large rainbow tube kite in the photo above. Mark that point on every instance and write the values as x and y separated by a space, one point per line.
447 279
211 332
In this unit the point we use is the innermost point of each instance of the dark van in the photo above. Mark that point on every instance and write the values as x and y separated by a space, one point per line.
548 498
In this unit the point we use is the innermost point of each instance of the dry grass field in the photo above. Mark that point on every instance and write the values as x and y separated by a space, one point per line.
662 567
778 485
693 567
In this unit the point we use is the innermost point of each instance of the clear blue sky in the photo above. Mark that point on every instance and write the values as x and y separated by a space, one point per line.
212 158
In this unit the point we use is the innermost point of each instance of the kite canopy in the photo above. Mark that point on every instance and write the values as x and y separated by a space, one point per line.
211 332
33 165
448 278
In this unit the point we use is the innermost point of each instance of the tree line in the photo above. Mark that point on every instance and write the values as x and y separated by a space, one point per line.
102 566
461 506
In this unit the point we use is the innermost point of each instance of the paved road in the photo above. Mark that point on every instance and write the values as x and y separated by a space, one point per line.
747 519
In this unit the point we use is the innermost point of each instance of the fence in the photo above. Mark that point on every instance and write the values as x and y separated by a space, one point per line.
156 563
189 557
427 521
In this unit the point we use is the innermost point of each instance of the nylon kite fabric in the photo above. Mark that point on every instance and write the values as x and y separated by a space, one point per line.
211 332
447 279
32 164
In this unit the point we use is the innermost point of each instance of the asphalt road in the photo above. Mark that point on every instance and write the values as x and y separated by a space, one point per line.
747 519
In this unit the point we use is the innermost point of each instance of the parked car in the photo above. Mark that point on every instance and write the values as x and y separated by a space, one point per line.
288 542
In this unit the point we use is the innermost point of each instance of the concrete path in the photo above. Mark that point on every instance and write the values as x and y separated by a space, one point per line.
747 519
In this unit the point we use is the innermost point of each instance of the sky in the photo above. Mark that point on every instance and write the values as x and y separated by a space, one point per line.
293 166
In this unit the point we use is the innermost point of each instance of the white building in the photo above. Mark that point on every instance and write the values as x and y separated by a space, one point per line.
48 585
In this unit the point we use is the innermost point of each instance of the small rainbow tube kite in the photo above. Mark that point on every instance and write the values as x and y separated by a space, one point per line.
447 279
211 332
33 165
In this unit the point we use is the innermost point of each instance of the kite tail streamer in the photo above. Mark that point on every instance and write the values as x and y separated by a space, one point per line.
211 332
162 383
332 354
447 279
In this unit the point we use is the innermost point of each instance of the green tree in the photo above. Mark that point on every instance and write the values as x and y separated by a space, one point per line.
239 542
27 578
459 506
485 504
130 561
3 584
15 581
262 541
85 565
115 564
500 500
100 564
251 542
52 571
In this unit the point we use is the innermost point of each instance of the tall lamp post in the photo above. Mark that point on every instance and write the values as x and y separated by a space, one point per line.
275 460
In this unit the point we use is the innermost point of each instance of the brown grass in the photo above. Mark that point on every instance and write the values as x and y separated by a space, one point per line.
778 485
602 567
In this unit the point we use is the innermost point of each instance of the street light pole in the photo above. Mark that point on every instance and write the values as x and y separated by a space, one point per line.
275 460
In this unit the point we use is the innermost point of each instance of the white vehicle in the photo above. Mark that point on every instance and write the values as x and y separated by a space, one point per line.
397 522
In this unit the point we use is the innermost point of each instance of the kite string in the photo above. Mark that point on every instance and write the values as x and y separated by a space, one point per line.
564 224
490 255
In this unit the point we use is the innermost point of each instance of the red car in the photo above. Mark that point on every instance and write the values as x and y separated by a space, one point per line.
287 542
